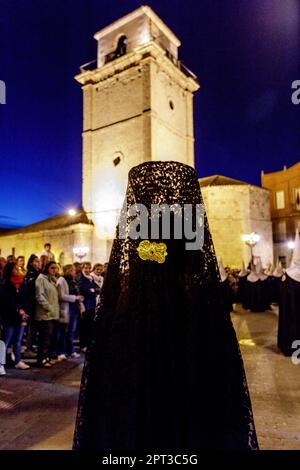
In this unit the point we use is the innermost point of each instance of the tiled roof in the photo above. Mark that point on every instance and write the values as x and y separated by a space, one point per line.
59 221
219 180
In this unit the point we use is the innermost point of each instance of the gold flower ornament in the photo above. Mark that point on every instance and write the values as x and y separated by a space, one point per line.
152 251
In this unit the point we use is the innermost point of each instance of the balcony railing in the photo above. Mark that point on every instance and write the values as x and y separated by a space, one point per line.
187 71
92 65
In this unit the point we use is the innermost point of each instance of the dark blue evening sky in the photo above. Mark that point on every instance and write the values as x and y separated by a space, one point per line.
246 54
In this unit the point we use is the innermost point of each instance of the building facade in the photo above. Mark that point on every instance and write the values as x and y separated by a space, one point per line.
63 232
284 189
235 208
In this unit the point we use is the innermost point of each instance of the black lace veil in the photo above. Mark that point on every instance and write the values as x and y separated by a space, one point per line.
164 369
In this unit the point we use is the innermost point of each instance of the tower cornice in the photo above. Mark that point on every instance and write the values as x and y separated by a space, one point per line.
143 10
140 55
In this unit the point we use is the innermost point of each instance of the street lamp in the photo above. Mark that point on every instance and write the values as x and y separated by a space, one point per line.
251 239
80 251
72 212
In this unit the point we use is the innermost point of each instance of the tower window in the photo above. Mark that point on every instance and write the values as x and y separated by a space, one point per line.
279 197
117 158
297 199
122 46
171 104
120 50
116 161
282 229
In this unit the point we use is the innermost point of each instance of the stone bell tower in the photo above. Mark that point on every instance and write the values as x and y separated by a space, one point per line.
137 106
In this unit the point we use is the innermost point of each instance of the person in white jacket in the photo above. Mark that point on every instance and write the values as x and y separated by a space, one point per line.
97 274
46 312
66 299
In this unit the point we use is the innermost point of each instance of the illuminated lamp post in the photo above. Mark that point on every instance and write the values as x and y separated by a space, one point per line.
251 239
81 251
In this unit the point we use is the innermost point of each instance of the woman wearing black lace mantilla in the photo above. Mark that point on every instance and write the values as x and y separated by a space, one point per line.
164 370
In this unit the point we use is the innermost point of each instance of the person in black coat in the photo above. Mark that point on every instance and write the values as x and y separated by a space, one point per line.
13 307
89 290
33 270
163 369
289 305
226 289
276 282
289 315
242 282
257 298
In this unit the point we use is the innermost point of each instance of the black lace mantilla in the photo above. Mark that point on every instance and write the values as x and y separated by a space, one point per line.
163 370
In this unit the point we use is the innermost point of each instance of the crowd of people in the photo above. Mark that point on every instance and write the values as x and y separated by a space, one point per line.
43 306
256 289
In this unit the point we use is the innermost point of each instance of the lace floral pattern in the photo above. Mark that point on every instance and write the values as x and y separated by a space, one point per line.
163 370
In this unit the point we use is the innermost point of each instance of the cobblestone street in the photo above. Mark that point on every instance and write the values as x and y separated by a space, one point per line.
38 407
274 381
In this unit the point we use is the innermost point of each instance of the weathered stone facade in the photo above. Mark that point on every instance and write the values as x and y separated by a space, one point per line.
233 209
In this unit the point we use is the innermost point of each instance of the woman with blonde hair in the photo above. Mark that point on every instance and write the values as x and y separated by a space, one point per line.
69 299
97 274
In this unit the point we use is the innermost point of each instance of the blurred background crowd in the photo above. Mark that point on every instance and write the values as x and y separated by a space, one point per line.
44 307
